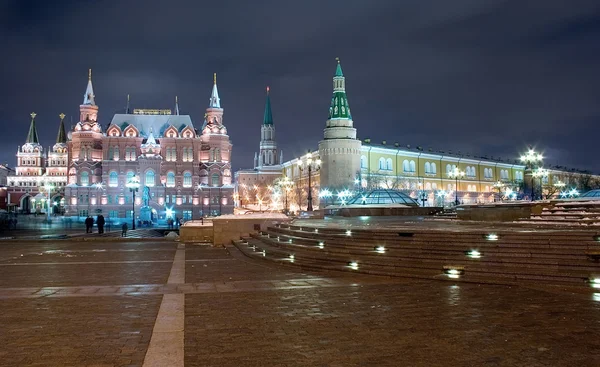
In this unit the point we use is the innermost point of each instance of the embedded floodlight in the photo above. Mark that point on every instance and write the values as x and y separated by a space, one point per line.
290 240
491 237
353 265
264 253
454 272
380 249
291 258
594 282
321 245
348 232
316 230
474 254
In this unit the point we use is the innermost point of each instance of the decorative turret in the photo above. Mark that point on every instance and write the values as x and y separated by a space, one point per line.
151 149
214 113
268 147
339 150
88 111
32 136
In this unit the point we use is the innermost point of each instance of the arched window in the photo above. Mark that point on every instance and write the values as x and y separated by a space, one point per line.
427 167
149 181
215 180
433 168
427 185
412 166
116 154
382 163
363 161
187 179
388 164
448 168
84 178
170 179
113 179
434 186
110 154
130 175
405 166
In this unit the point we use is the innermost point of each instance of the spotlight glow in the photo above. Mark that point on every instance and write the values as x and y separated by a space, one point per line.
380 249
474 254
348 232
321 245
492 237
353 265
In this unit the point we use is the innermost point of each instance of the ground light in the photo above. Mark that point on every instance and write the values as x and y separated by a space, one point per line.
348 232
491 237
380 249
594 282
264 253
353 265
474 254
290 240
596 297
316 230
321 245
291 258
454 272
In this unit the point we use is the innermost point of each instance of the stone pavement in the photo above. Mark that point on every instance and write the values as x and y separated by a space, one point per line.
71 303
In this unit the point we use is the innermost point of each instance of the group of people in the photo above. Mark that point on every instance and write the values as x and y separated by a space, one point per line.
174 222
89 224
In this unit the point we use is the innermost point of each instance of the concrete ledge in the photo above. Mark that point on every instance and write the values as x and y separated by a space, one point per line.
228 228
201 233
498 212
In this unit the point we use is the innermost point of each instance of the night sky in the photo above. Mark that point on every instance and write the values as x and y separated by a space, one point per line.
480 76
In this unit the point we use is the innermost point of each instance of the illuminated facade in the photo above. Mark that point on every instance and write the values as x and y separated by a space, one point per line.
348 164
183 171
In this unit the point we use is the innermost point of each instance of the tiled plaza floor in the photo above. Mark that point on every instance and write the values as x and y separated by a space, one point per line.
70 303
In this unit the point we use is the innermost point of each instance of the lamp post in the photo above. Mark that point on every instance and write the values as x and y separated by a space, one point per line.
456 174
48 186
541 173
498 186
285 184
560 186
531 160
310 166
133 185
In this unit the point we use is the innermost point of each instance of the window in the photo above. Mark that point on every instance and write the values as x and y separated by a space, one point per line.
433 168
448 168
149 178
113 214
187 215
412 166
130 175
167 199
170 179
83 213
215 179
113 179
84 178
183 199
116 153
363 161
388 164
381 163
427 185
434 186
405 166
427 167
187 179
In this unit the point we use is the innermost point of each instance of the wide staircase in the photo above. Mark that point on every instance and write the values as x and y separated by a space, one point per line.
558 258
569 213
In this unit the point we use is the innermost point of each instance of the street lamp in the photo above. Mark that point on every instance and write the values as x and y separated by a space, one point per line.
456 174
133 185
531 160
310 165
498 186
48 186
285 183
541 173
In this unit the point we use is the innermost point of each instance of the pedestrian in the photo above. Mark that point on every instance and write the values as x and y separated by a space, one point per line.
124 230
89 223
170 223
100 221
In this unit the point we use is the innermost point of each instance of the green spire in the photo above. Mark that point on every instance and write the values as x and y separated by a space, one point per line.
32 136
339 108
338 70
62 136
268 120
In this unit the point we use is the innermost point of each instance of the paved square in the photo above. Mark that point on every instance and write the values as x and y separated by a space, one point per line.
72 303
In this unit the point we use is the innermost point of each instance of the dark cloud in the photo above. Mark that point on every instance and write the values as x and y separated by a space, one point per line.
485 77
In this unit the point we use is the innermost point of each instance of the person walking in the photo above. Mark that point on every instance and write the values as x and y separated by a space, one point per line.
124 230
100 221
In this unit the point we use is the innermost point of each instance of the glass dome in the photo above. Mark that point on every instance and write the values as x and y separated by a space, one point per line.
593 194
382 197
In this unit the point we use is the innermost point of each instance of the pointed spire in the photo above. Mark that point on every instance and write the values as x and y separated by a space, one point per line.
88 97
338 69
32 136
61 138
127 108
268 119
215 101
339 108
151 140
176 106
